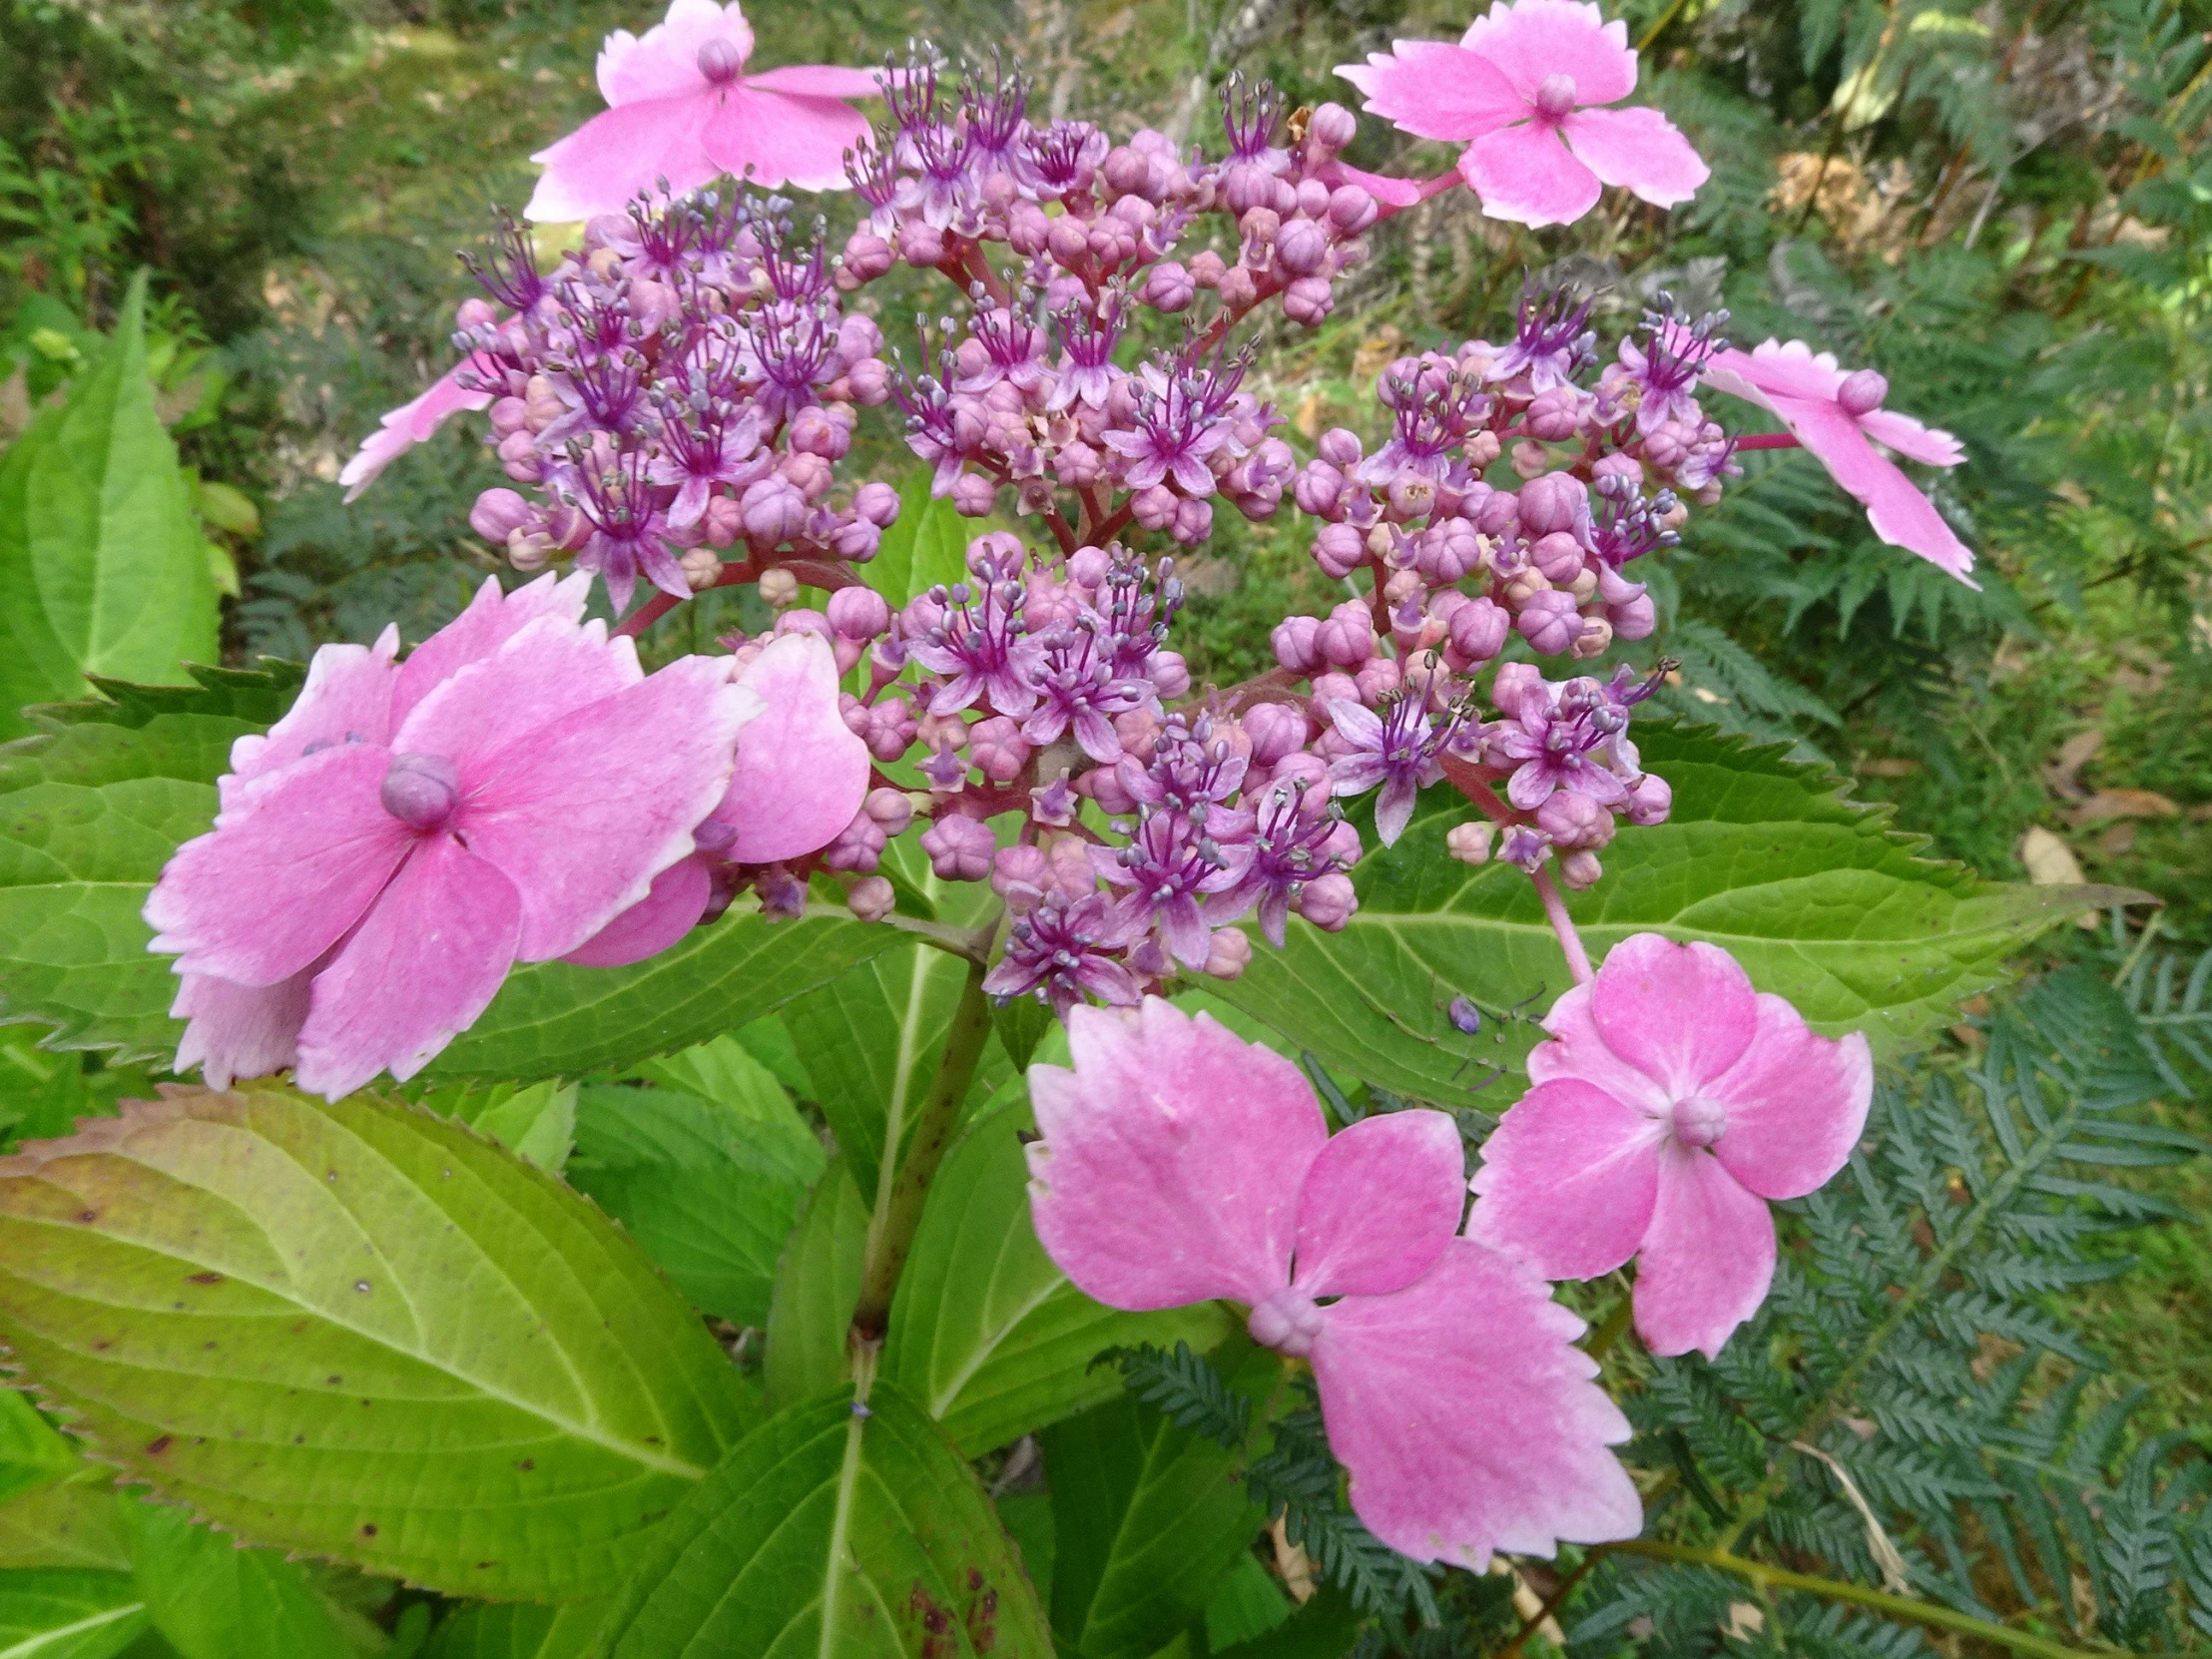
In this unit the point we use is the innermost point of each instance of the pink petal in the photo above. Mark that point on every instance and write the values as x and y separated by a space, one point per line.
1578 1051
348 698
1467 1422
1899 514
1392 193
1432 90
1679 1013
604 164
239 1030
670 908
663 61
490 621
802 772
413 423
1380 1204
1912 439
1171 1159
772 139
1638 149
285 873
1797 1104
581 815
547 669
1525 174
1708 1259
819 79
1536 38
428 959
1790 369
1568 1180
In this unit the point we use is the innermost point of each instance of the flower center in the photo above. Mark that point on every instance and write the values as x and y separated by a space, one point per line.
1555 96
1698 1121
720 62
421 790
1862 393
1287 1322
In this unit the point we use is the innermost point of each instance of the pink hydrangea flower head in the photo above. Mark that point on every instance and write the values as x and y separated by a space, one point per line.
413 423
1833 414
799 776
1671 1104
410 831
1523 90
1178 1163
680 107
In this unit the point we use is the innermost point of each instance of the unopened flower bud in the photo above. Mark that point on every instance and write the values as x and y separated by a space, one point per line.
1309 301
1470 842
1477 630
959 849
1169 287
1532 460
872 900
701 567
1650 800
1297 644
1299 246
1332 127
420 790
1556 501
774 510
498 514
813 432
1339 549
997 748
1328 901
859 613
1549 622
866 257
973 496
1862 393
1228 952
778 587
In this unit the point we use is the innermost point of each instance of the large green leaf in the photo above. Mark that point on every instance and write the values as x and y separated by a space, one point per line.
64 1614
213 1600
101 553
553 1019
77 1522
818 1286
361 1331
834 1529
517 1630
91 806
1146 1521
31 1453
707 1184
926 545
1818 898
986 1335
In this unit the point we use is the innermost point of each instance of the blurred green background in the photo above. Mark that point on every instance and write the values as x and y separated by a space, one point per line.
2006 208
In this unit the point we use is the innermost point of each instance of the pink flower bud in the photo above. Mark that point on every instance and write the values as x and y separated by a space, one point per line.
1206 268
1633 619
1297 644
1862 393
1470 842
1339 549
997 748
1276 729
866 257
859 613
509 416
1313 199
1650 801
813 432
1171 676
1327 902
858 846
1351 208
1340 448
1478 631
921 244
1556 501
498 514
1316 488
1028 228
891 729
1228 952
1499 514
1238 288
872 900
1309 301
1154 506
1168 287
1559 556
1377 679
869 381
1557 415
959 849
1194 522
1299 246
1573 819
420 790
1127 171
1580 868
1345 640
811 474
1069 240
723 521
973 496
893 808
1019 876
1549 623
1332 126
774 511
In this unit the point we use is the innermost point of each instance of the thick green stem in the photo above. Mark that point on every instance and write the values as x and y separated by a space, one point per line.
890 1233
1901 1607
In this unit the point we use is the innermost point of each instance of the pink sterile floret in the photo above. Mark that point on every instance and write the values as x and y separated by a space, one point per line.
1833 414
1671 1104
1178 1163
682 108
410 831
1524 85
415 422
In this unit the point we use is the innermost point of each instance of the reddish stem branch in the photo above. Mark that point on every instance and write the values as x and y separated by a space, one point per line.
1470 784
1767 441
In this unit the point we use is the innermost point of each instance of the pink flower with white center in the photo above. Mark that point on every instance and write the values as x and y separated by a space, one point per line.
682 108
1833 414
415 422
1178 1164
1524 85
1672 1103
410 830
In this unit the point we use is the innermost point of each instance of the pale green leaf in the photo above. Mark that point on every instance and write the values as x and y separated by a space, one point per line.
361 1332
100 549
536 1121
77 1522
818 1286
518 1630
837 1531
31 1452
63 1613
213 1600
926 545
1818 898
986 1334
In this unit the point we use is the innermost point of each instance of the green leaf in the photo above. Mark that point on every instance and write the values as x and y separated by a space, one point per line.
1250 1603
60 1613
554 1019
364 1331
986 1335
709 1187
1147 1519
1326 1627
1818 898
213 1600
77 1522
90 809
837 1530
100 549
926 545
31 1453
818 1286
518 1630
536 1121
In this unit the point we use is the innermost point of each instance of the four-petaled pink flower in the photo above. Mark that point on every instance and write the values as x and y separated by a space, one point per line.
1672 1103
1178 1164
1833 414
682 108
416 422
1522 85
410 831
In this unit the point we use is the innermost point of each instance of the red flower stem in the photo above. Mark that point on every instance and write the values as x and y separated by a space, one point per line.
1555 912
1767 441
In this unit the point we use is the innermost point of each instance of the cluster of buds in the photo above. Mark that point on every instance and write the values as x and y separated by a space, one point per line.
682 385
